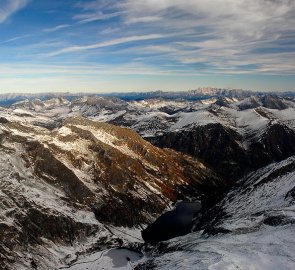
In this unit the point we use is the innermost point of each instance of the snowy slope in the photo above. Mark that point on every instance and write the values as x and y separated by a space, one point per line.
155 116
60 187
61 173
34 215
258 216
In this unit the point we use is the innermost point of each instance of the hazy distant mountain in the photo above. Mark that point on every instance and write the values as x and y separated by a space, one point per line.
200 93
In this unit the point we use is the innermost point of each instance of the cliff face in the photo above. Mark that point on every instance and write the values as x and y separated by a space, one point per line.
59 187
66 180
216 145
224 149
251 228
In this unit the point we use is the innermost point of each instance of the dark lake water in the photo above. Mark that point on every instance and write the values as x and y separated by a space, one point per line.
176 222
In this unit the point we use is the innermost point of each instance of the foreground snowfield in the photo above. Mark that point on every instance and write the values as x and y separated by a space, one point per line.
268 249
259 218
119 259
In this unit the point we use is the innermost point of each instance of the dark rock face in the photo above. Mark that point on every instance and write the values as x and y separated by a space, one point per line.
173 223
273 102
3 120
221 148
214 144
279 220
125 210
291 194
37 223
276 144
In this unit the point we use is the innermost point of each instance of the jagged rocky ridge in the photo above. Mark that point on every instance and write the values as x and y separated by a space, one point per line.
93 171
54 184
231 135
222 148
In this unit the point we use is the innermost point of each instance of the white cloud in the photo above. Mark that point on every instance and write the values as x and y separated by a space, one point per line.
56 28
145 19
236 29
102 44
96 16
8 7
14 39
217 36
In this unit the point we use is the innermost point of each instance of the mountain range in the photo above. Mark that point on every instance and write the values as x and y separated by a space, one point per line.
84 174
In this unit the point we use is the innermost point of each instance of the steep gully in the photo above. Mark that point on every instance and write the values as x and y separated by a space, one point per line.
219 148
199 183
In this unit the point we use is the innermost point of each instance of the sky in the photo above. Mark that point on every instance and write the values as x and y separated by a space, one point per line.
144 45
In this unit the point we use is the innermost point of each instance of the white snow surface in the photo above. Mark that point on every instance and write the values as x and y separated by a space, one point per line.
268 249
250 243
121 259
157 116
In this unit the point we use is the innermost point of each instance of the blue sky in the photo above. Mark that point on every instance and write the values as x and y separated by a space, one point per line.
127 45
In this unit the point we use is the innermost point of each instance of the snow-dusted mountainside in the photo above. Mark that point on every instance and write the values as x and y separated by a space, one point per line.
76 179
58 188
156 116
251 228
245 133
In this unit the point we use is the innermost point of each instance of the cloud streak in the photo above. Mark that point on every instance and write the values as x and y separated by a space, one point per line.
150 38
108 43
237 30
96 16
14 39
56 28
9 7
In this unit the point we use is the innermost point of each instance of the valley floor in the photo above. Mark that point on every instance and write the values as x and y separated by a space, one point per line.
120 259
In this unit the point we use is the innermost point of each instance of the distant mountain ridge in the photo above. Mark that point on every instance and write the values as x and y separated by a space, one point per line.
76 170
200 93
232 135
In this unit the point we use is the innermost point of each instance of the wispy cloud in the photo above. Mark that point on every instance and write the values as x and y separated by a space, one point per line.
14 39
145 19
96 16
236 30
8 7
108 43
129 39
56 28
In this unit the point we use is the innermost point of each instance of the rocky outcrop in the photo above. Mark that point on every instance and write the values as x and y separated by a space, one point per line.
276 144
222 148
214 144
58 187
254 220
